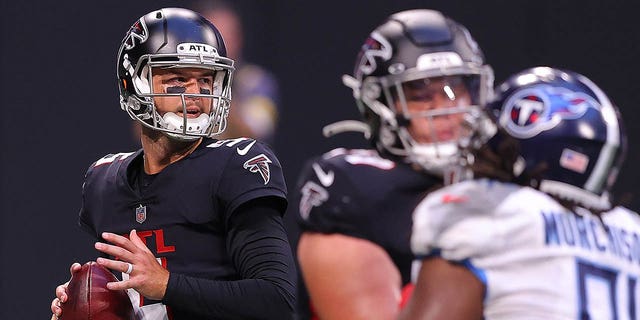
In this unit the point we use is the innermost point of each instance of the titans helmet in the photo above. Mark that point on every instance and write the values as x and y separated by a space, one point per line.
169 39
563 120
411 51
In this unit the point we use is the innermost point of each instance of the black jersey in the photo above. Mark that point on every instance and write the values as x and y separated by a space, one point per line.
182 213
360 194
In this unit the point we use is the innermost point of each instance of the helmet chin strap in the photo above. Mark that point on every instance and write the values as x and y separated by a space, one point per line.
435 157
180 137
174 122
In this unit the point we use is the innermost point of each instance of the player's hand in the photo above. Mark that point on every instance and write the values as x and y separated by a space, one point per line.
146 276
61 293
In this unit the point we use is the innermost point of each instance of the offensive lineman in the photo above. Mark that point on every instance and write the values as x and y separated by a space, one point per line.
418 74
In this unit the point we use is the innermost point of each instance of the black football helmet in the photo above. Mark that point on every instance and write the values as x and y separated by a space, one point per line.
417 47
174 38
562 120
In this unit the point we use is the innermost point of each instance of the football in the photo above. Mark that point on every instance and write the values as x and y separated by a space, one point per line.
89 297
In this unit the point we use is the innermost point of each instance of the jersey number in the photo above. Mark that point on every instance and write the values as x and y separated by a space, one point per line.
598 295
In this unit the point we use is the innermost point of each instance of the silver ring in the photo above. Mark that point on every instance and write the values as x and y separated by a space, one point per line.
129 268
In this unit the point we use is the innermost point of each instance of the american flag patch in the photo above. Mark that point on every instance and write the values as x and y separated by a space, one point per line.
574 161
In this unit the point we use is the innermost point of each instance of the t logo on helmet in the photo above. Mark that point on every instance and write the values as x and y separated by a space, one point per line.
533 110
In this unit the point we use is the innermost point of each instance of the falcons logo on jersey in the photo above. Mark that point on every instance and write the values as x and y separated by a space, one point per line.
259 164
533 110
313 195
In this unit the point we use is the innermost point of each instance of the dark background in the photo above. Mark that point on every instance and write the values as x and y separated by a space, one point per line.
60 107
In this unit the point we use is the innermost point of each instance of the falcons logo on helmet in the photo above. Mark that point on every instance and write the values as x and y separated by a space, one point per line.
259 164
533 110
138 32
376 46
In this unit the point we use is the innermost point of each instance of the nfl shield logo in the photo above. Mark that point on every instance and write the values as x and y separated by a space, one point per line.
141 214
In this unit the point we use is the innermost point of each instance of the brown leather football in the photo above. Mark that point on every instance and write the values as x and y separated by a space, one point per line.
89 297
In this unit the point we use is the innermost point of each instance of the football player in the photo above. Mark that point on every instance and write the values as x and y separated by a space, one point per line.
417 76
193 224
535 235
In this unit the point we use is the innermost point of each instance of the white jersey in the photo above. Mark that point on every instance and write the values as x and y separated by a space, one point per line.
537 259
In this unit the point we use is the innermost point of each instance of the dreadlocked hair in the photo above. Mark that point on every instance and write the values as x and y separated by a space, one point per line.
496 161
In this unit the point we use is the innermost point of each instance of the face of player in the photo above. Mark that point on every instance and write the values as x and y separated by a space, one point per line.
187 81
432 106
